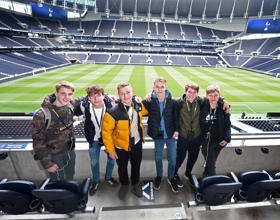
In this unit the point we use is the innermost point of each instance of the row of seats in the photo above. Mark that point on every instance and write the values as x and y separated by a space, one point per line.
21 196
252 186
264 125
60 197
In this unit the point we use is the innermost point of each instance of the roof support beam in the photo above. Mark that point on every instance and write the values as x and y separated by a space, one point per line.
261 10
218 15
232 11
247 8
203 16
190 11
276 11
107 10
121 8
162 10
149 10
135 14
176 10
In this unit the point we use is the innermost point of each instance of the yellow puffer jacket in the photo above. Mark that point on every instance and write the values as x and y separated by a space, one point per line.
115 127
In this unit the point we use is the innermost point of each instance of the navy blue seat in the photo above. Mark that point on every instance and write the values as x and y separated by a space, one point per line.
276 193
16 197
3 156
257 186
215 190
63 196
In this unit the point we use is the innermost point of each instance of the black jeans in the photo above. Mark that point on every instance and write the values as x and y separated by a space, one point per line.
210 150
192 147
135 157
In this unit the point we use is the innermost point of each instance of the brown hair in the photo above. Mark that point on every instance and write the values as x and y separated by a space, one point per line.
192 85
122 84
95 89
65 84
212 88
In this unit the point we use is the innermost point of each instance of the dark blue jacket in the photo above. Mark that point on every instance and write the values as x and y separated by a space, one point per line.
170 116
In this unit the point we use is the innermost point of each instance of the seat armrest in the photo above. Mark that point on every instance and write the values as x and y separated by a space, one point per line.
234 177
4 180
85 186
45 183
195 182
270 177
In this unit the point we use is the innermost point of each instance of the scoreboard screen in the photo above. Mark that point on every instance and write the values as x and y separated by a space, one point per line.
263 26
48 11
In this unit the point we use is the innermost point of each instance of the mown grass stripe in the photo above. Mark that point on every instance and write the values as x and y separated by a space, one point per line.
246 91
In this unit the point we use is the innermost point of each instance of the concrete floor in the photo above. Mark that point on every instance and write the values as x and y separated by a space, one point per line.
166 205
107 196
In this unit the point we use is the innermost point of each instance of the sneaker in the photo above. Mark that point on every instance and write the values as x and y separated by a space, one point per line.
112 182
173 184
137 190
178 180
122 192
157 183
93 188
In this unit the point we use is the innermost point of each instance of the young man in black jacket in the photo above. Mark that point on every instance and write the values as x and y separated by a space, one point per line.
94 109
163 127
216 129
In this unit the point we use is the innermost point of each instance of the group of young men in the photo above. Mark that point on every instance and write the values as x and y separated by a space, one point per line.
182 125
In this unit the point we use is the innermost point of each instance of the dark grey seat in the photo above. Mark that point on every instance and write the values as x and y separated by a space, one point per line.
257 186
215 190
16 197
63 196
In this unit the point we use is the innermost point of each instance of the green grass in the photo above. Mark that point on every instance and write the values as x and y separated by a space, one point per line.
246 91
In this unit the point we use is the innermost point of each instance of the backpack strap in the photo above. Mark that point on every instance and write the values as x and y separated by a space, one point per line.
48 118
48 115
71 107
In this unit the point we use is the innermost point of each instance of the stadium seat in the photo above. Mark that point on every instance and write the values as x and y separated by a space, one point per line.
276 193
3 155
16 197
215 190
257 186
63 196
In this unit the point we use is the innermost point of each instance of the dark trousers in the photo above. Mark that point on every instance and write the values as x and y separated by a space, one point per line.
210 150
66 165
192 147
135 157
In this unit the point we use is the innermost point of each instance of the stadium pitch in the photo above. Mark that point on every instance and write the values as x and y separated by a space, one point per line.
246 91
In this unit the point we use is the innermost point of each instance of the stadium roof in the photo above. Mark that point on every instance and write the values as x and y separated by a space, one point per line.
172 9
191 9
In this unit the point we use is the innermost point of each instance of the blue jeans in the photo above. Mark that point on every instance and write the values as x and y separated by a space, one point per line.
171 156
94 153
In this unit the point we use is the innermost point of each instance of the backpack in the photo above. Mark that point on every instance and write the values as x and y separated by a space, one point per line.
48 115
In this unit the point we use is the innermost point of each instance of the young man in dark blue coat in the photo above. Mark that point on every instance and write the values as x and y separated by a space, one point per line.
163 127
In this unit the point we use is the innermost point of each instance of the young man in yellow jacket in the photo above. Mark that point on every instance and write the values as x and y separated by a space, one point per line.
123 135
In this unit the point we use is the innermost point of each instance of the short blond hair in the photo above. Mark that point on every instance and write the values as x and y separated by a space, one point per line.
161 80
65 84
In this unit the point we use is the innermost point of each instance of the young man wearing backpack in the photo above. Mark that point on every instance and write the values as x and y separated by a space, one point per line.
53 134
